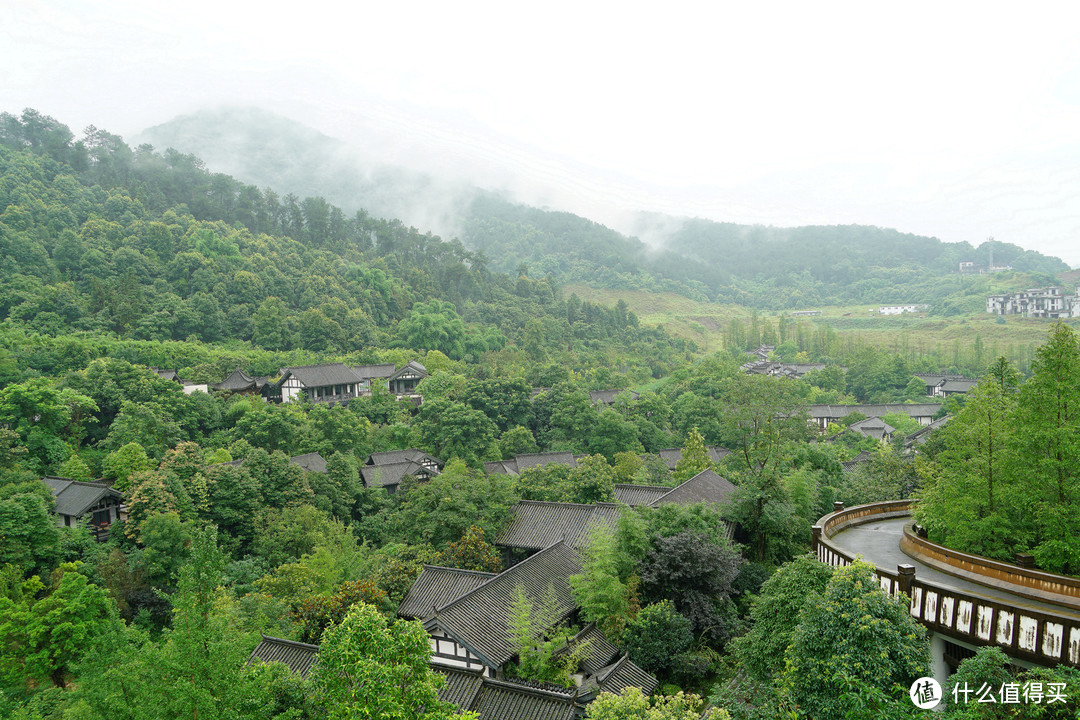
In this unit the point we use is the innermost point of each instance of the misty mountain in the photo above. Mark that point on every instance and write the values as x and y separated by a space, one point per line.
264 149
764 266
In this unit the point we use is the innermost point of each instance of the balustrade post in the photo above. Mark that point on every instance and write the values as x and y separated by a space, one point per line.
815 539
906 573
837 506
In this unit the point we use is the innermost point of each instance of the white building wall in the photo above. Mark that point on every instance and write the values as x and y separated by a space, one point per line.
291 390
900 309
443 646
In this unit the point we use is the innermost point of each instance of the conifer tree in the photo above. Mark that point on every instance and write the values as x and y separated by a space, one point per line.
695 457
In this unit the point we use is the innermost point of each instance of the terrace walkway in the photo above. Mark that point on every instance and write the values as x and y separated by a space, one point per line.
879 543
1033 616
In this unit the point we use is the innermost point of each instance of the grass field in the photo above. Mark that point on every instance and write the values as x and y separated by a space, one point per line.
707 323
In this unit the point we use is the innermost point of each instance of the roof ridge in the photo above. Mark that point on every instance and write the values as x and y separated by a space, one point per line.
296 367
495 577
605 673
697 475
297 643
655 502
569 694
89 483
459 570
545 452
560 504
478 672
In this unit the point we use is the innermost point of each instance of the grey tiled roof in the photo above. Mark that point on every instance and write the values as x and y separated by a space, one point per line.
237 381
622 674
371 372
504 699
410 368
706 486
500 467
608 397
436 586
462 686
469 690
923 434
73 497
298 656
388 468
803 368
322 375
671 456
480 619
601 652
840 411
538 524
859 459
387 475
936 379
312 462
389 457
634 495
531 460
873 422
500 700
872 427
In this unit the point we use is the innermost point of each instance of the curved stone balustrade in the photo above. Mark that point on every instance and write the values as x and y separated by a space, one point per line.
1042 637
1026 582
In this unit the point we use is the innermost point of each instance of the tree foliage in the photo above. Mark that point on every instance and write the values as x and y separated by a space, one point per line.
657 637
696 574
631 704
775 614
41 637
371 667
602 595
854 634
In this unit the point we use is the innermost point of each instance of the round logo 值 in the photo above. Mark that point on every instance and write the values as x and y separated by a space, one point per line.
925 693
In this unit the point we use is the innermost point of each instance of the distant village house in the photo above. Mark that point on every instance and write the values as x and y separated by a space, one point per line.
1047 302
330 383
943 385
390 468
189 386
822 415
901 309
77 500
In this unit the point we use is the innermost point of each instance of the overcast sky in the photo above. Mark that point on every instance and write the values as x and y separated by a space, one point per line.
942 119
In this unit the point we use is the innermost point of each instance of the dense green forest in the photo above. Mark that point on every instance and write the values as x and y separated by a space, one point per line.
1007 480
758 266
116 260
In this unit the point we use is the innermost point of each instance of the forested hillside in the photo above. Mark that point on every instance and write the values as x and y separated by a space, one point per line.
759 266
107 240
